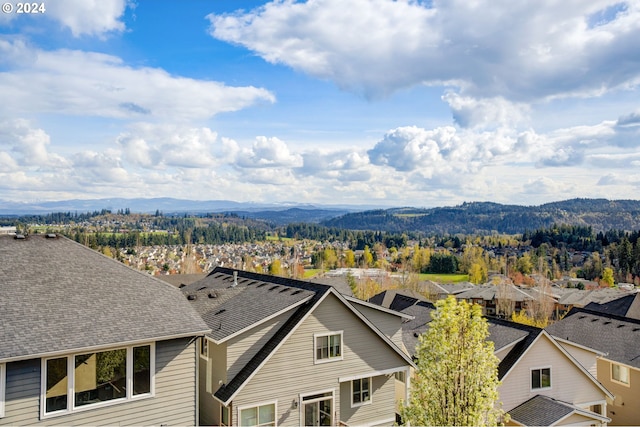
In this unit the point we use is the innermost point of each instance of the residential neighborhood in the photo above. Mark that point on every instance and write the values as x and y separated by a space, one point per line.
87 339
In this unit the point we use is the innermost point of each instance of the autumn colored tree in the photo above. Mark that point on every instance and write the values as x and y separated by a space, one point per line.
457 377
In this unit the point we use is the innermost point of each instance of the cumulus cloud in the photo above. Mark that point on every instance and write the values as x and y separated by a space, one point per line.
268 152
554 49
95 84
29 145
160 146
494 112
88 17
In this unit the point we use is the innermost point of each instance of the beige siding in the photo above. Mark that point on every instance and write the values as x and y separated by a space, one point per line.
383 391
579 420
624 410
173 404
587 358
568 382
291 370
502 353
389 324
212 377
242 348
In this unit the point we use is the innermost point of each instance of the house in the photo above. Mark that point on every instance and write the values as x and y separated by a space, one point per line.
541 382
86 340
627 305
291 352
497 299
610 348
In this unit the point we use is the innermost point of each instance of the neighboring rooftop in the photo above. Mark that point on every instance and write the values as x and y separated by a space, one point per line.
545 411
230 301
60 296
616 336
625 306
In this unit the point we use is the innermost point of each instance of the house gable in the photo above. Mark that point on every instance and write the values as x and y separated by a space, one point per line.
570 382
364 353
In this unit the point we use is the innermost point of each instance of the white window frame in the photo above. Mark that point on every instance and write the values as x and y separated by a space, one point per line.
224 409
3 382
302 402
618 381
204 348
316 360
71 406
541 368
257 406
369 400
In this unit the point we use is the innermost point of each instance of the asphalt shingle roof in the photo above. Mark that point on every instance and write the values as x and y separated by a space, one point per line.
541 411
626 306
228 309
617 336
57 296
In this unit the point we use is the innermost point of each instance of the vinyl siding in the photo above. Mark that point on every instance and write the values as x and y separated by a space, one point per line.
578 420
389 324
383 391
587 358
291 370
625 409
173 403
210 407
242 348
568 382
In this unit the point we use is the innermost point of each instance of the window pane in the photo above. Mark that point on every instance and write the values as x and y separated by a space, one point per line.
225 415
267 414
100 376
249 417
620 373
535 378
57 384
142 370
546 378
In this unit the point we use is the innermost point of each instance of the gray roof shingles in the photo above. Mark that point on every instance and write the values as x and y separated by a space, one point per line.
541 411
228 309
57 296
617 336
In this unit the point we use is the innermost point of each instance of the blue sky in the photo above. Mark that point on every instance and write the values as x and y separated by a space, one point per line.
389 103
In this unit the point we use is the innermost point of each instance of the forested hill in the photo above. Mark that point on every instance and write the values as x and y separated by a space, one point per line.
485 217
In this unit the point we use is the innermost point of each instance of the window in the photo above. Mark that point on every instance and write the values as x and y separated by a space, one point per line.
2 386
204 347
360 391
540 378
620 373
317 409
328 347
401 376
83 380
224 415
264 415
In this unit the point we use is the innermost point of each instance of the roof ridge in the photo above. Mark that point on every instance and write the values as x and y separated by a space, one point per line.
301 284
576 310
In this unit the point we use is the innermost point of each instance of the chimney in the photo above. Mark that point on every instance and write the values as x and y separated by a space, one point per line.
235 278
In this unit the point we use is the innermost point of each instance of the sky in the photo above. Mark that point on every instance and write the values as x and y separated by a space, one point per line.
365 102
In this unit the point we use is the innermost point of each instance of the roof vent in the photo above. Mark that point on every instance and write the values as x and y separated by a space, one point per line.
191 297
235 278
620 326
594 320
213 295
284 290
219 311
51 235
20 237
182 285
274 287
415 334
261 285
296 292
606 323
202 288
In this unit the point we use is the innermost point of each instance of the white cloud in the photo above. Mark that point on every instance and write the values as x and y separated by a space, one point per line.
268 152
95 84
494 112
88 17
159 146
553 49
30 145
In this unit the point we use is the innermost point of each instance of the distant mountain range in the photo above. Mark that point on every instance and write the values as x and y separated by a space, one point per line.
485 217
467 218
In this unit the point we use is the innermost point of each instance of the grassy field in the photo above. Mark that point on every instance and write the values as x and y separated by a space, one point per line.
311 272
271 238
445 278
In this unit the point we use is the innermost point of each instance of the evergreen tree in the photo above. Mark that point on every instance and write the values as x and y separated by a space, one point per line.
457 377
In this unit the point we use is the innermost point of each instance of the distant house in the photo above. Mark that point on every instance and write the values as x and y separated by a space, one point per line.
609 346
86 340
290 352
541 382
